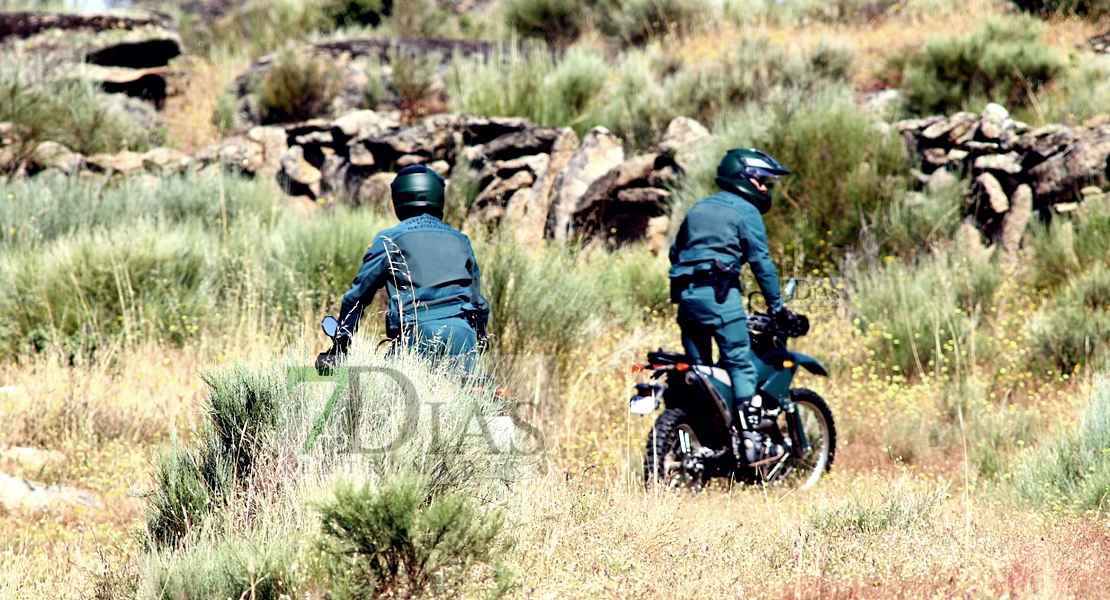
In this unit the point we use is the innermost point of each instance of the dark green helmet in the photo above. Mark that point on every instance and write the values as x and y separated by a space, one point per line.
417 190
742 165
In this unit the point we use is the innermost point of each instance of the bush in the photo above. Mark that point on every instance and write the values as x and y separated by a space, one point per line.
413 76
901 508
347 13
261 565
910 315
180 498
915 222
1065 248
637 22
1094 8
1073 328
296 88
558 22
1004 61
1072 470
402 540
45 107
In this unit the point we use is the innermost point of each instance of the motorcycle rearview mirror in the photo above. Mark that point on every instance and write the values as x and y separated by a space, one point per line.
791 286
330 325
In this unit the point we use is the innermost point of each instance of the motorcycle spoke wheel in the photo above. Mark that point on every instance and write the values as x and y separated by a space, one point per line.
671 443
820 432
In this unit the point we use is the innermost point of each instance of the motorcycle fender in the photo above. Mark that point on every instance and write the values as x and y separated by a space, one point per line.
810 364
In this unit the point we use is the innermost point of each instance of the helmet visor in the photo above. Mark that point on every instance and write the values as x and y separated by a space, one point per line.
762 177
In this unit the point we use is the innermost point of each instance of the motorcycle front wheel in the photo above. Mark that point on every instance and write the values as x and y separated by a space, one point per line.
819 427
672 446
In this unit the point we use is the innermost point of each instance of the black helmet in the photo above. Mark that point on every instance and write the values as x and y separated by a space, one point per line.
417 190
740 166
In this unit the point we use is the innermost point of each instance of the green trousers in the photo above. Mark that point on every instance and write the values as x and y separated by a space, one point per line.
440 339
735 352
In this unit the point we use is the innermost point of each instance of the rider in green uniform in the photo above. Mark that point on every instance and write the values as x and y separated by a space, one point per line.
718 236
429 271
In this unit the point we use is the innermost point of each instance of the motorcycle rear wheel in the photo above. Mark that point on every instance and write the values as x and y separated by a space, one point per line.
820 430
671 440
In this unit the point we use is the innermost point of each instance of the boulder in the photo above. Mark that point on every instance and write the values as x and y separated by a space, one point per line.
993 122
987 187
364 124
947 131
618 206
374 192
125 162
272 142
1084 163
530 211
17 493
163 160
1015 222
1009 163
52 155
684 136
299 173
599 153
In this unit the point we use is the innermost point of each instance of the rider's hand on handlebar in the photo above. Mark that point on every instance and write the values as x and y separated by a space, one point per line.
790 322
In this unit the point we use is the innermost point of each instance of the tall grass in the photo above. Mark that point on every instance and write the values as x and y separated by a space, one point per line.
1072 470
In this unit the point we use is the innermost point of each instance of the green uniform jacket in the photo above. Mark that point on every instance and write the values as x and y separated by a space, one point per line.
727 227
429 271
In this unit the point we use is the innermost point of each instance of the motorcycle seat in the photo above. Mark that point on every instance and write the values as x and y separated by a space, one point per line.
662 357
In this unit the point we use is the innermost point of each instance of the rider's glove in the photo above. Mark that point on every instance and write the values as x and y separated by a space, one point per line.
790 322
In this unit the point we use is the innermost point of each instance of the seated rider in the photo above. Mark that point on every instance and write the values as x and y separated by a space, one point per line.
718 236
429 271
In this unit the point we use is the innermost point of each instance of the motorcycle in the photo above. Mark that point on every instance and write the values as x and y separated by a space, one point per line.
694 441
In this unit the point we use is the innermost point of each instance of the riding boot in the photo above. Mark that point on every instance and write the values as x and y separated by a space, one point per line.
748 409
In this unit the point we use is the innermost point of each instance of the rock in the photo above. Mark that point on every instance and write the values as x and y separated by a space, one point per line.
1091 190
375 192
1066 207
935 157
942 180
334 174
163 160
1015 221
981 146
599 153
364 124
17 493
952 128
683 137
1084 163
990 187
956 156
300 172
360 155
881 103
272 142
125 162
441 167
532 220
496 195
30 460
657 230
993 121
408 160
514 145
636 169
52 155
1009 163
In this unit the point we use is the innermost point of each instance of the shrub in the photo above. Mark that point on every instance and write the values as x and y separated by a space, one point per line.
1072 470
910 315
637 22
45 107
1005 61
402 540
1065 248
413 76
296 88
419 19
903 507
1074 326
259 565
346 13
180 498
1094 8
559 22
918 221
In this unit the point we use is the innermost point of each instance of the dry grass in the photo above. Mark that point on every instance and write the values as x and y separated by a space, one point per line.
189 115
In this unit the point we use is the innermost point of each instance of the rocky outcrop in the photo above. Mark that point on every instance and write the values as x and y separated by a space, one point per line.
543 180
126 52
1014 168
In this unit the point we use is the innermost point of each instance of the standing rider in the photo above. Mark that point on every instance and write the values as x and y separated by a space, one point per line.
429 271
719 234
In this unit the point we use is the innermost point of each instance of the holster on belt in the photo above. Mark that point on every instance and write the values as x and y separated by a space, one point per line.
719 276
